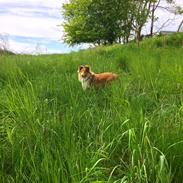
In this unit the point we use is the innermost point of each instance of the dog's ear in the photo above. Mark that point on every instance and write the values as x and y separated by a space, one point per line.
87 68
80 67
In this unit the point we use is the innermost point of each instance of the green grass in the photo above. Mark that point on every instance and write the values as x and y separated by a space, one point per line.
131 132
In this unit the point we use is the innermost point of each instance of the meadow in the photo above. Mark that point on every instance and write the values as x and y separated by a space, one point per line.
51 131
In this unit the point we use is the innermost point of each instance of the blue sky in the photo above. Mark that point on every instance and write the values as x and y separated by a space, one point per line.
33 25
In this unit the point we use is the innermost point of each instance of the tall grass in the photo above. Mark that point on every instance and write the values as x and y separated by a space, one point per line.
53 131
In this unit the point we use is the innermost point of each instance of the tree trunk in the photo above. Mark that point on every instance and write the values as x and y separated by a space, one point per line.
119 40
180 25
154 7
138 35
127 39
152 20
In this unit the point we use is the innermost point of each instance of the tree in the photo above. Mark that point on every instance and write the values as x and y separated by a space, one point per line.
180 11
174 8
180 25
152 16
141 11
95 21
108 21
75 14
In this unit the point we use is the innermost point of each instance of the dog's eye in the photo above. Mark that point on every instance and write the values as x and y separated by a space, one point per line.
80 67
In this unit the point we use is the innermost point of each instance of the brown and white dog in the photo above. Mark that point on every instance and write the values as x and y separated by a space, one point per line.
89 79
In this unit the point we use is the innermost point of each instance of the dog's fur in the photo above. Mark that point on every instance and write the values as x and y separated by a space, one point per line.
89 79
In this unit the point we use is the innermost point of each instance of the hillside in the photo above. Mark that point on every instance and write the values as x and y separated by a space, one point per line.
53 131
6 52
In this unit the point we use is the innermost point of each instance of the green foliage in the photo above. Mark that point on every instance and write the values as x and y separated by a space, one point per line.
131 131
97 21
76 16
106 22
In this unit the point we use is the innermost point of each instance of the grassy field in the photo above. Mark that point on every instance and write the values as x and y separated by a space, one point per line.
51 131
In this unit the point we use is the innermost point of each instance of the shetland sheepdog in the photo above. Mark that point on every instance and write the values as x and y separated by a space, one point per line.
90 79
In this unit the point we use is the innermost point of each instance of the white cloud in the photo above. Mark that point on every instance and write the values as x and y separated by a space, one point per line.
36 3
34 12
32 48
19 47
30 26
31 19
21 18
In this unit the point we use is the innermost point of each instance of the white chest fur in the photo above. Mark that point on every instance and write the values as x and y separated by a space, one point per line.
84 82
85 85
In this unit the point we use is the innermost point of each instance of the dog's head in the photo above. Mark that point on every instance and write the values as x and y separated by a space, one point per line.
84 71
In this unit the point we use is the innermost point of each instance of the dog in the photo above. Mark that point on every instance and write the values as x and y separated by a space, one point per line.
90 79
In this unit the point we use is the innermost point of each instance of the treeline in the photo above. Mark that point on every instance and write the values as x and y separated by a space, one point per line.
108 21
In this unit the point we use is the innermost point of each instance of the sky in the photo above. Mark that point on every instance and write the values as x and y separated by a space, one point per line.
36 25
